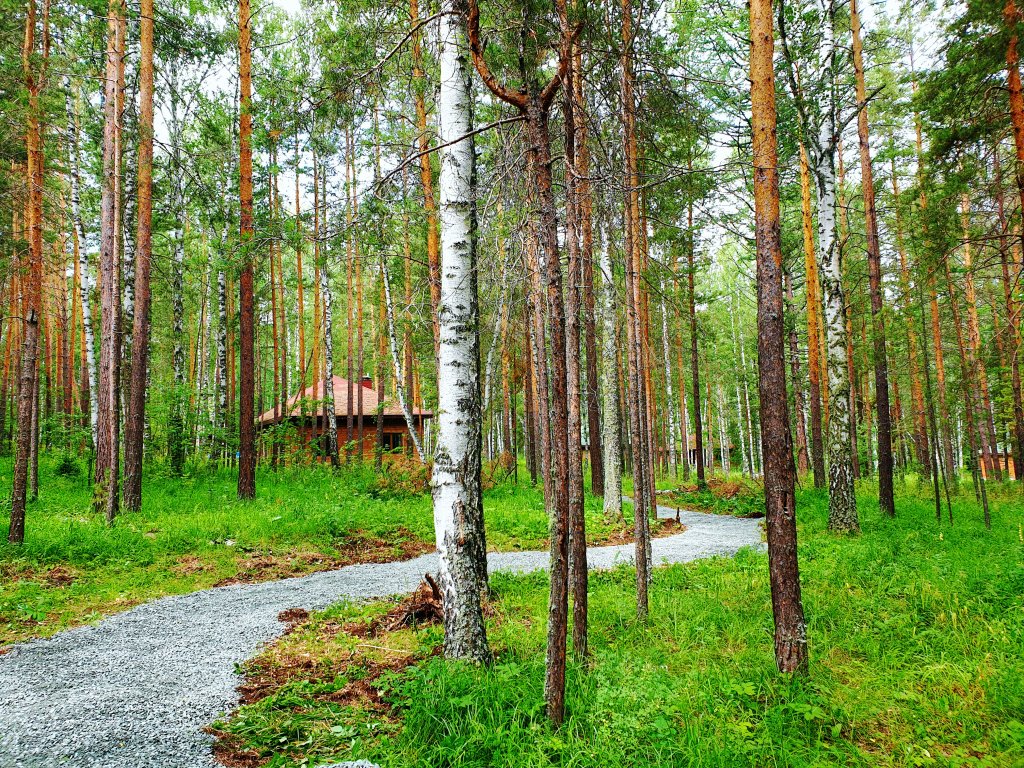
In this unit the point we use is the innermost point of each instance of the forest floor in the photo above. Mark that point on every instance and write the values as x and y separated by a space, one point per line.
916 633
137 689
192 533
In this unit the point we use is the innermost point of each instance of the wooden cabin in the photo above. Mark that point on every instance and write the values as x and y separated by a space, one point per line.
305 411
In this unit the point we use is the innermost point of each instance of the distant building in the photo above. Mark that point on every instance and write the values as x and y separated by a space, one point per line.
305 412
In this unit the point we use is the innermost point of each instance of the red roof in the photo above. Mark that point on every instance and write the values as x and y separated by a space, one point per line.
315 392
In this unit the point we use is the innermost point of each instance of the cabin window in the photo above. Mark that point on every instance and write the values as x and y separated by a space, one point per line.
392 441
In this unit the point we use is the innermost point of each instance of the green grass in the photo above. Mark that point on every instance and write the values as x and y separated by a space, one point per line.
916 636
192 533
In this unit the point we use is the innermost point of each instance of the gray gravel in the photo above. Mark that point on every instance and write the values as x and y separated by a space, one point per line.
136 689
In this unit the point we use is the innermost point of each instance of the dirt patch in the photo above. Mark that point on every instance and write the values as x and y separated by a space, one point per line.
54 577
362 666
419 609
625 535
292 618
358 547
228 751
189 565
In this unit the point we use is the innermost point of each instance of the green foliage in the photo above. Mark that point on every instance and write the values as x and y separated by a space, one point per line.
916 640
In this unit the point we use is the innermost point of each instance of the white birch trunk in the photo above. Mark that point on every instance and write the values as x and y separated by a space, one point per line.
751 443
747 465
332 416
496 336
458 501
670 399
85 285
610 390
842 502
396 359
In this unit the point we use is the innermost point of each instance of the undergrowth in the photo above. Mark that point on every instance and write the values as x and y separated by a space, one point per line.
916 635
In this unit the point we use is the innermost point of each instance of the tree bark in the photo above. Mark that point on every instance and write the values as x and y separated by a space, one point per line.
586 217
246 320
698 431
89 385
885 462
634 329
426 172
135 422
798 390
986 427
31 285
776 441
455 481
108 408
922 454
1012 328
842 501
392 335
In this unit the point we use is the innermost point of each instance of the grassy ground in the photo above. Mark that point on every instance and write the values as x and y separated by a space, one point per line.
916 635
193 533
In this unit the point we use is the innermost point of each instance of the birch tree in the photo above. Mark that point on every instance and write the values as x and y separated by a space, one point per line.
816 98
458 501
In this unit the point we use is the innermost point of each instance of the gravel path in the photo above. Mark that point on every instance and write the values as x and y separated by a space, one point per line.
135 690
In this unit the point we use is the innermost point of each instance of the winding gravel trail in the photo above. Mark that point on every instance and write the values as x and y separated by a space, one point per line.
136 689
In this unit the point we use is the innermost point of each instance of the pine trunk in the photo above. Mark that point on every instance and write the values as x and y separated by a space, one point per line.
246 319
135 421
108 405
776 441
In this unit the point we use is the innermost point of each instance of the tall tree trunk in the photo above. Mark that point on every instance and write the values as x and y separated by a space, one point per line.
349 272
135 422
332 416
404 396
920 425
577 522
586 218
31 283
986 427
108 426
455 481
176 417
842 501
698 432
408 320
975 433
634 324
776 441
945 423
247 383
89 385
669 395
798 389
1012 328
885 462
1011 15
276 387
300 290
426 171
534 104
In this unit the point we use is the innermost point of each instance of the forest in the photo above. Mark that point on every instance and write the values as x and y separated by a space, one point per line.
511 383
